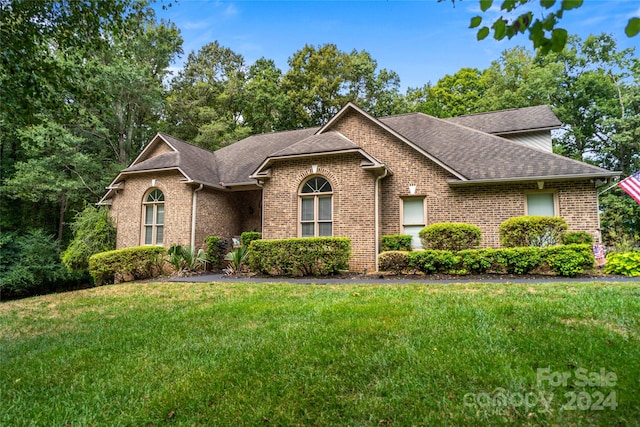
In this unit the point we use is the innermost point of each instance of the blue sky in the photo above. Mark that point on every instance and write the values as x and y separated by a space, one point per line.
420 40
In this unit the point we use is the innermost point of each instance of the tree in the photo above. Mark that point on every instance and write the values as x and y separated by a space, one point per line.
93 232
265 103
454 95
82 83
204 104
543 32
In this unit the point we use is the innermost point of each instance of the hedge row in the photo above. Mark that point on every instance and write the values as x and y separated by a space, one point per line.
139 262
300 257
567 260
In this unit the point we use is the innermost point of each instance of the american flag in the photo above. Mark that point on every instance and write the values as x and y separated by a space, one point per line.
631 186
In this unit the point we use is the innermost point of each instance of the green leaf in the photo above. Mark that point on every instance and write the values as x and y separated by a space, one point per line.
633 27
475 21
485 5
508 5
571 4
558 39
547 3
500 29
483 33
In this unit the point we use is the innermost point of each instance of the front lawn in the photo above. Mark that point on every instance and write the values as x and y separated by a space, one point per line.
285 354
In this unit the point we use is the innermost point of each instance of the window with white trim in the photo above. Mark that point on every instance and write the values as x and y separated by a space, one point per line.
413 219
541 204
153 228
316 208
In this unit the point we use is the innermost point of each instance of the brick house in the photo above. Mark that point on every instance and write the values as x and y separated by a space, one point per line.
356 176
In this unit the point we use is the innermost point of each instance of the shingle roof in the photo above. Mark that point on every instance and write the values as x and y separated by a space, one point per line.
540 117
472 155
480 156
331 141
237 161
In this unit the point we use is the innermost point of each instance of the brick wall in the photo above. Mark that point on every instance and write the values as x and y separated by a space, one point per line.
484 205
127 211
353 203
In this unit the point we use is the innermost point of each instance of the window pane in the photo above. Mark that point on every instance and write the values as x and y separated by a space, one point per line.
148 214
413 231
160 214
159 235
540 204
324 208
413 211
325 229
308 229
307 209
148 235
316 185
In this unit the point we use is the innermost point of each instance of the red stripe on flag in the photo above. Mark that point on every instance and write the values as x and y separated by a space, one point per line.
631 186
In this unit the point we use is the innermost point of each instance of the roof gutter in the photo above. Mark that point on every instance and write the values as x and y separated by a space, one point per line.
455 183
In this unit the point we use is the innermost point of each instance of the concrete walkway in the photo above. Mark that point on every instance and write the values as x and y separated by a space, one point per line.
393 280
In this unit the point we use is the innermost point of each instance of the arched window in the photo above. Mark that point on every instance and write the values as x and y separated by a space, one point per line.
154 218
316 208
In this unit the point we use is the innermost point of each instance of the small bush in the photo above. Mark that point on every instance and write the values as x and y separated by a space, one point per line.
626 263
301 256
249 236
139 262
450 236
477 261
577 237
569 260
532 231
396 242
395 261
215 250
435 261
186 258
520 260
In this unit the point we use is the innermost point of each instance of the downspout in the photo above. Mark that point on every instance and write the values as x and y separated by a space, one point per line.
194 202
376 193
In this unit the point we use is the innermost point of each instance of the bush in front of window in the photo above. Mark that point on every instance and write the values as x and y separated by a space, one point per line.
394 261
396 242
249 236
576 237
450 236
565 260
532 231
138 262
314 256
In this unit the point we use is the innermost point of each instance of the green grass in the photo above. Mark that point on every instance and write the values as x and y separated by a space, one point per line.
286 354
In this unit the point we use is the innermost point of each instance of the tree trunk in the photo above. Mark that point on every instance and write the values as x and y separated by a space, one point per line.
63 210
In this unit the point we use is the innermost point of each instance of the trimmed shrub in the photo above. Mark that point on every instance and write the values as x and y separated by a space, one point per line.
627 263
520 260
396 242
450 236
215 250
576 237
532 231
569 260
395 261
436 261
316 256
477 261
249 236
138 262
